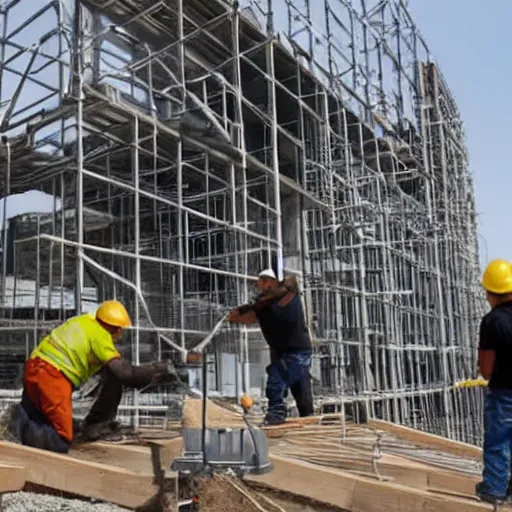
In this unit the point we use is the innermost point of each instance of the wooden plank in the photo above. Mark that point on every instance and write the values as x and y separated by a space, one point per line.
100 481
456 482
430 440
169 450
12 478
453 493
131 458
402 471
136 458
219 416
329 452
379 497
406 471
278 431
356 493
293 427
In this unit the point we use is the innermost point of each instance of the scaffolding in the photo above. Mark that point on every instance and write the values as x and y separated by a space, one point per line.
186 145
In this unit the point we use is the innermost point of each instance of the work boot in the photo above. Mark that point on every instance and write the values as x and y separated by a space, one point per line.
272 421
105 431
482 493
96 431
77 427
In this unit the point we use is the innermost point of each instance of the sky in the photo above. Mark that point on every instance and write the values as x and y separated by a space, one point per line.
472 43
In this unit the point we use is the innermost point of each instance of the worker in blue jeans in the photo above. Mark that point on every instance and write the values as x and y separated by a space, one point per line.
494 360
278 310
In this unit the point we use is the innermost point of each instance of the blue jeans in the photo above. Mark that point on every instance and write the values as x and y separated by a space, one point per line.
289 371
497 442
28 428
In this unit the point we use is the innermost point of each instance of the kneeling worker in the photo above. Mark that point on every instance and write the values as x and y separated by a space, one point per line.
278 309
62 362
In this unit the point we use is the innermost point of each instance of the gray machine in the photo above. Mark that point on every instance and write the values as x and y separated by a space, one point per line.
236 451
241 450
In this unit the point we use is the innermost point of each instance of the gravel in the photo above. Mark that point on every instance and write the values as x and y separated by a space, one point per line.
31 502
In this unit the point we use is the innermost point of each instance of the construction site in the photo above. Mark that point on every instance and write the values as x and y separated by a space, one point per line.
163 153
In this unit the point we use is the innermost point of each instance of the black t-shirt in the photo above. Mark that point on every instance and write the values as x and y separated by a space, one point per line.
496 334
284 327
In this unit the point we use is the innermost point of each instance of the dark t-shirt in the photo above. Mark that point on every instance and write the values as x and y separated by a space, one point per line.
496 334
284 327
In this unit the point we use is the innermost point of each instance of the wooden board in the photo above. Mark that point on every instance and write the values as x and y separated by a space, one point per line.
136 458
326 447
218 416
12 477
402 470
430 440
356 493
452 493
418 477
131 458
61 472
318 451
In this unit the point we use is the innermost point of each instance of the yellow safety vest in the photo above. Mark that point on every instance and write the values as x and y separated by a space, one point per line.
79 348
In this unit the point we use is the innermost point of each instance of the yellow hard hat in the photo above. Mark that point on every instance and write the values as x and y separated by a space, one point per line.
497 277
113 313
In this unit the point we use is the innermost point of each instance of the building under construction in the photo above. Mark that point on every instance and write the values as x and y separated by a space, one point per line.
180 146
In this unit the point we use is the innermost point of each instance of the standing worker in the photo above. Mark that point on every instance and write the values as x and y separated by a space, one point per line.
494 359
62 362
278 309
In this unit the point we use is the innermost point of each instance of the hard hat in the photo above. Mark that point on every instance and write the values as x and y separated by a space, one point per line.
268 273
497 277
113 313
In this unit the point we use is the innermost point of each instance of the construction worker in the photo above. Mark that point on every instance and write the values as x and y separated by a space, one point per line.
278 310
62 362
494 360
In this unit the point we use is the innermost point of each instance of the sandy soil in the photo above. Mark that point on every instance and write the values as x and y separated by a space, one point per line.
216 416
224 494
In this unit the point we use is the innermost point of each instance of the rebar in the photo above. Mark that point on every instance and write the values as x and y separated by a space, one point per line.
184 146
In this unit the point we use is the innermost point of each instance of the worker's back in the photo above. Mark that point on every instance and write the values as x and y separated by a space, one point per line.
78 348
284 327
498 322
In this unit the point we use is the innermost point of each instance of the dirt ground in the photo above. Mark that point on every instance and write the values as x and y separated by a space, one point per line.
224 494
290 502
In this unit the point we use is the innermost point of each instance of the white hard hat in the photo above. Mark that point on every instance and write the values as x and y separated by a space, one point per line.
268 273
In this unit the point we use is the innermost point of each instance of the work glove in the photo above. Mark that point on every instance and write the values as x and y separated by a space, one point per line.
175 376
164 371
168 373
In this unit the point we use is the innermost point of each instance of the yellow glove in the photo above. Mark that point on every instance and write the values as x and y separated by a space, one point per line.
471 383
